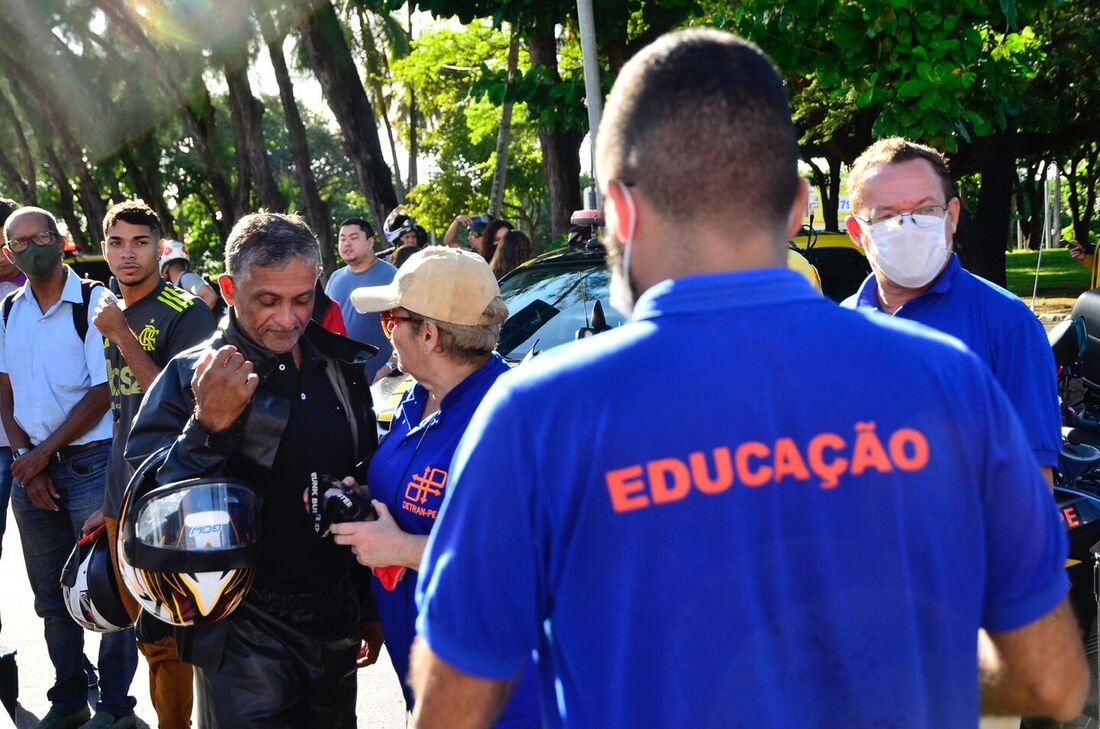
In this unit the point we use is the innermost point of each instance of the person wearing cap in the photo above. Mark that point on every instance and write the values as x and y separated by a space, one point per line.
475 225
364 268
174 268
443 312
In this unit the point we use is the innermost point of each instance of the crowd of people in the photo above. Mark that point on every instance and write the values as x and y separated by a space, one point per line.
582 541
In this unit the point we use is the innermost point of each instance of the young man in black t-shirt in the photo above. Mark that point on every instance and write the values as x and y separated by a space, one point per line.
156 322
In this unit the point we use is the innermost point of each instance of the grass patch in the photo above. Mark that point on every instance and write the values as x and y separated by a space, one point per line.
1061 281
1059 276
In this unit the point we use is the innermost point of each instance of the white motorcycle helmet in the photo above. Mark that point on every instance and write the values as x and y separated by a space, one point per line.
89 589
173 250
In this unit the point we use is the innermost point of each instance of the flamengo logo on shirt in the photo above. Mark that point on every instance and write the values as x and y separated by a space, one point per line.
827 456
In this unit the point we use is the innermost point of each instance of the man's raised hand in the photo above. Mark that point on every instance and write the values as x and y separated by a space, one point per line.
224 383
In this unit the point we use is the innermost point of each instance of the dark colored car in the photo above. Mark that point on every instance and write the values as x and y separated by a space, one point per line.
553 297
88 265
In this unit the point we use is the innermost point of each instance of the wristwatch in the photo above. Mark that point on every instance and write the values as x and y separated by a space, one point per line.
20 452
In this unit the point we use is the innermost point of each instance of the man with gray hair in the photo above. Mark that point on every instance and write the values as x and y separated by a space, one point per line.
271 399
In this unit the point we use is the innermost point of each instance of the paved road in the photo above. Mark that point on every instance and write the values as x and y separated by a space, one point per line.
379 706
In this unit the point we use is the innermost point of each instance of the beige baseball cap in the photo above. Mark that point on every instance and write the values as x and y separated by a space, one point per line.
440 283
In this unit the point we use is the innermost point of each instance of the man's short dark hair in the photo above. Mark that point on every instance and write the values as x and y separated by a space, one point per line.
699 122
7 207
268 239
46 215
361 223
134 212
895 150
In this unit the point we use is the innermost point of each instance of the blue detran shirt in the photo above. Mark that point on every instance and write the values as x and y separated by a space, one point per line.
998 327
804 527
410 473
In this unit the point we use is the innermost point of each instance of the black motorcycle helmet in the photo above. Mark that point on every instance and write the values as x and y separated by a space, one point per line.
187 551
89 589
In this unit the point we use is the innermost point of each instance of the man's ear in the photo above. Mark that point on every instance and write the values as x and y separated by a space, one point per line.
855 232
229 289
103 248
619 214
954 209
798 209
8 255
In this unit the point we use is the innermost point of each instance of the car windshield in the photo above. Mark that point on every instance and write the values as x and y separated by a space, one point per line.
548 304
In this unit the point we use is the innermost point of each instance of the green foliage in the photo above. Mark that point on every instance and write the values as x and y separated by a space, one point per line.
461 129
940 74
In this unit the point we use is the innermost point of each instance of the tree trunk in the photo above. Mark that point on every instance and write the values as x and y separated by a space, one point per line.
23 178
561 164
250 115
50 121
1029 202
65 195
1080 173
316 210
414 147
374 71
414 141
984 252
147 191
504 135
331 61
243 193
198 113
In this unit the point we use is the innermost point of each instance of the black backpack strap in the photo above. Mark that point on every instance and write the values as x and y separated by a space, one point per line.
9 301
80 311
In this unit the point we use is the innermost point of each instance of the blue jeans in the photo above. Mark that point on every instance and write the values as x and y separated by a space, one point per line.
48 537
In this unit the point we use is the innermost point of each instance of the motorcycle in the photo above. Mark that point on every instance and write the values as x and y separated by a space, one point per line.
1077 475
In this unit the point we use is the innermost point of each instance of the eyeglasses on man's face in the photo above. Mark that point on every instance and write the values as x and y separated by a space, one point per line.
926 216
41 239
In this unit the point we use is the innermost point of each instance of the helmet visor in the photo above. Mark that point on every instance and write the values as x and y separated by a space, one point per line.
202 517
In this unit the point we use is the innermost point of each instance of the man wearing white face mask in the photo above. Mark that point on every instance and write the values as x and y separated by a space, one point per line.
904 219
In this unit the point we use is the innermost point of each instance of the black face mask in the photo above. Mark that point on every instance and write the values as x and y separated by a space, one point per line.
38 261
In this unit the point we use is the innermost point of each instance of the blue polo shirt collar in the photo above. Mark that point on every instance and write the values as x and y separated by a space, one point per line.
474 381
737 289
868 291
70 291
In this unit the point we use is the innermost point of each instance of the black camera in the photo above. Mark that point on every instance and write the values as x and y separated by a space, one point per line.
331 501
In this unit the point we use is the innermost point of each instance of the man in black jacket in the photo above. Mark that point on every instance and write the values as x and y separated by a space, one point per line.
269 400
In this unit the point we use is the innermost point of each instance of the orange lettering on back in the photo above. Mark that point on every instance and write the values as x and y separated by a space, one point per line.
626 488
660 471
723 466
758 477
788 461
916 440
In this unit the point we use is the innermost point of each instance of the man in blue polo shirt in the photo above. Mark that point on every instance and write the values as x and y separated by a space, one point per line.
904 219
764 547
